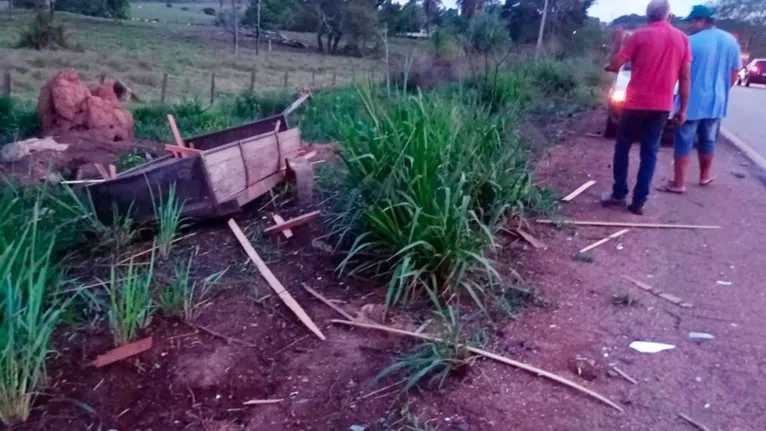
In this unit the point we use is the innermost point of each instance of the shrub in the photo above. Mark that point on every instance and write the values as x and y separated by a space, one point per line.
43 34
552 76
209 11
429 180
17 121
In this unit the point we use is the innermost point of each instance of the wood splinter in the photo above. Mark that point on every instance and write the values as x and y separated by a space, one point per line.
123 352
293 222
273 282
654 291
605 240
578 191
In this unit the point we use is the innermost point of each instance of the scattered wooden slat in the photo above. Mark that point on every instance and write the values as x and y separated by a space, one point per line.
102 171
327 302
624 375
280 290
174 128
129 258
261 402
621 224
112 171
293 222
507 361
578 191
693 422
653 290
279 220
605 240
308 156
528 237
295 105
123 352
178 151
72 182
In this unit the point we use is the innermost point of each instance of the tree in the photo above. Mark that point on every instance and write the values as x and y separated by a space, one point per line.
752 11
524 18
430 7
469 7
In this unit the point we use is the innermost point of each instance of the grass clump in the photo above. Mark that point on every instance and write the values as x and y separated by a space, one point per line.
28 273
185 296
168 212
130 301
17 120
44 34
192 118
430 180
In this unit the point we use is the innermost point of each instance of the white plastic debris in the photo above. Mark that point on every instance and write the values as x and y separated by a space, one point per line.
620 246
650 346
700 336
724 283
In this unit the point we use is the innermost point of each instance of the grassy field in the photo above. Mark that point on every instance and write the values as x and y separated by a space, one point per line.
179 13
140 52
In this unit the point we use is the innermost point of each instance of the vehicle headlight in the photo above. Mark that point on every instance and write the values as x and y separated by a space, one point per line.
619 96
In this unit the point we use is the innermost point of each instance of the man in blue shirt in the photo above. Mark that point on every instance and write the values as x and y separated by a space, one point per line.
715 64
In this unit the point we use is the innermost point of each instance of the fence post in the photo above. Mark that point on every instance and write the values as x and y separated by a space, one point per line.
313 78
353 73
269 45
334 77
164 90
286 77
252 80
212 88
7 86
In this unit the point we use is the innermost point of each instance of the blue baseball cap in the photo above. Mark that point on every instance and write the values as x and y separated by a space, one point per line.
700 12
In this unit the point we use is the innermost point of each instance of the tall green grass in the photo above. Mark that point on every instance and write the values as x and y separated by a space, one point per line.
430 180
168 212
185 296
130 301
18 120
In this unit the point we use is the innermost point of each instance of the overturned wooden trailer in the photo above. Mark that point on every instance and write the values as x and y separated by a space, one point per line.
214 174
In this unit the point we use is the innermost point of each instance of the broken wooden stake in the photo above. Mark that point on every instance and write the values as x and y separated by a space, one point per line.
622 224
102 171
293 222
279 220
605 240
178 151
174 129
528 237
624 375
280 290
693 422
507 361
327 302
666 296
112 172
578 191
295 105
123 352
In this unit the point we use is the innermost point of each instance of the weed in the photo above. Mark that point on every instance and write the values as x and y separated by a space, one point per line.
584 257
432 362
129 160
27 318
624 300
167 211
17 120
185 296
130 301
429 180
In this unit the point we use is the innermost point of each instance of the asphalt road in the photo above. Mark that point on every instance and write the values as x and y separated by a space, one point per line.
747 116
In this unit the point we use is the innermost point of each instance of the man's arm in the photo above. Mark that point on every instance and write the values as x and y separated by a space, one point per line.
684 88
620 52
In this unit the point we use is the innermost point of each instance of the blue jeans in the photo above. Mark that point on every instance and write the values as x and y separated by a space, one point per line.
705 132
645 127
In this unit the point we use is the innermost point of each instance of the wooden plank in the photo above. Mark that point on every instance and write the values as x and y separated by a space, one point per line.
624 224
221 155
654 291
258 189
123 352
327 302
279 220
293 222
295 105
261 402
102 171
307 156
112 171
178 151
578 191
605 240
278 288
490 355
174 129
528 237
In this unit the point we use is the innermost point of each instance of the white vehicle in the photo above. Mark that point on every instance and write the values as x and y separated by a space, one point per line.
617 96
753 73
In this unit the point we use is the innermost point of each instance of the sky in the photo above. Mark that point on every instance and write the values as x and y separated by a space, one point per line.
607 10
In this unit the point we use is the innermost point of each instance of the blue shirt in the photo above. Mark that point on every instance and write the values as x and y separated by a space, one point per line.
715 57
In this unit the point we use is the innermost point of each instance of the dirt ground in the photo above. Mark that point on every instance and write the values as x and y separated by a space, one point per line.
192 380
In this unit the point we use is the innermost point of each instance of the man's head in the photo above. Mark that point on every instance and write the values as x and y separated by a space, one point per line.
658 10
701 18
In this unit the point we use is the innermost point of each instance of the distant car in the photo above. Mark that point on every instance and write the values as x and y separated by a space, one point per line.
616 101
753 73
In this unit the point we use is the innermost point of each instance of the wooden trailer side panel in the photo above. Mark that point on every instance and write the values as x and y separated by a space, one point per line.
226 172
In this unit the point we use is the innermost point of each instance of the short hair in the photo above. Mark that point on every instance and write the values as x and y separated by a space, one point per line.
658 10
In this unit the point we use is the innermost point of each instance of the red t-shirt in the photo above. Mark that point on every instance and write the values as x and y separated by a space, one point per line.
656 54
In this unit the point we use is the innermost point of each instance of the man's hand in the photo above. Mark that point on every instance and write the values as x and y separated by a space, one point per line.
680 118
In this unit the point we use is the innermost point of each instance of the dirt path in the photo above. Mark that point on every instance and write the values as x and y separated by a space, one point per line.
720 383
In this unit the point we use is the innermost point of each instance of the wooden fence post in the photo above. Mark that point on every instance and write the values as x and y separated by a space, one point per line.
164 90
212 88
252 80
313 78
353 73
269 45
286 77
334 77
7 86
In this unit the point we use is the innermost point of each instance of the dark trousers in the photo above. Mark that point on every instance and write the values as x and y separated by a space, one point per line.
645 127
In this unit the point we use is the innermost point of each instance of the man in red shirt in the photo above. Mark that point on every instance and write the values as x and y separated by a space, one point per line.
660 56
